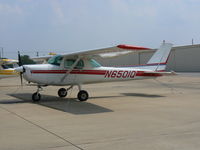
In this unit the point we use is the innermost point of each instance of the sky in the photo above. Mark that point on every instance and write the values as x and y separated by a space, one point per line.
64 26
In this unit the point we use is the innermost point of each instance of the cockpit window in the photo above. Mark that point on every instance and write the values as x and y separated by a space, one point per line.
69 62
55 60
94 63
4 66
7 66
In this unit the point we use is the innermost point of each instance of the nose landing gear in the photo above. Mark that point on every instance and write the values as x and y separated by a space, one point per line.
36 96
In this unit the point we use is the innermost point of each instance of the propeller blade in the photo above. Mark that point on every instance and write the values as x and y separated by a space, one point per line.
20 64
19 59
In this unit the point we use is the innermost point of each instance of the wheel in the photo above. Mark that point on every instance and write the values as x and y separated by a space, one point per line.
62 92
36 97
82 95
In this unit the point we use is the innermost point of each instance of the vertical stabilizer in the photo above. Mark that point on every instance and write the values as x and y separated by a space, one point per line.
161 55
159 60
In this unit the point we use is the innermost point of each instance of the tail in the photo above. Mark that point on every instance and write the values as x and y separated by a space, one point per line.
159 60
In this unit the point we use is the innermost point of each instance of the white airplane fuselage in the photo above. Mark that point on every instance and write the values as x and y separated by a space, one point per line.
48 74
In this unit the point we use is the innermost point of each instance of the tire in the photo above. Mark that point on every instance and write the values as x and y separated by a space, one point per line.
62 92
82 95
36 97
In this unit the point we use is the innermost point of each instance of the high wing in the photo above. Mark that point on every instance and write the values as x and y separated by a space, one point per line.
103 52
108 52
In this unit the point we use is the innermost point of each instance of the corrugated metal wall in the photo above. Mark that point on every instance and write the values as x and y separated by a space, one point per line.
182 59
185 59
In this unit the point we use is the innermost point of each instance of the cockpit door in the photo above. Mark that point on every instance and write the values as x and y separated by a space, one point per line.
72 65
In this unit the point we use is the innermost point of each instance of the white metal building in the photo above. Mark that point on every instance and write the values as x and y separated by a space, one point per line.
182 59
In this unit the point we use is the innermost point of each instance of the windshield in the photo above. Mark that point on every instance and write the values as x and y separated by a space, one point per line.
55 60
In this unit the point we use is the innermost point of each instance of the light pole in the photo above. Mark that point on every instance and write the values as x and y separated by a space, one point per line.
1 52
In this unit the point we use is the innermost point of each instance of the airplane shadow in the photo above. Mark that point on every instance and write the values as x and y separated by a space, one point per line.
142 95
70 105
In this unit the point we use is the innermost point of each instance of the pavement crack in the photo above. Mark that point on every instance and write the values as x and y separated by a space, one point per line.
42 128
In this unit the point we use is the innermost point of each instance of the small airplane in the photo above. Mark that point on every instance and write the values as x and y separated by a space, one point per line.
80 68
7 68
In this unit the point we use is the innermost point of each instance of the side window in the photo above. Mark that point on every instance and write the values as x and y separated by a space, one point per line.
94 63
69 62
80 64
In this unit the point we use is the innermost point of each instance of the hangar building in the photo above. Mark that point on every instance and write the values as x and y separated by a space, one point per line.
182 59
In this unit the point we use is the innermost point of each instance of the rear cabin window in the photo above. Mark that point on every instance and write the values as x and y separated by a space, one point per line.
94 63
69 62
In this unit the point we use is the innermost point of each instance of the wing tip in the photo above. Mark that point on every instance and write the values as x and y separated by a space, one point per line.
131 47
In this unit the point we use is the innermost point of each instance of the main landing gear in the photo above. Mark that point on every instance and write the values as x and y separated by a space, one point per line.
62 92
82 95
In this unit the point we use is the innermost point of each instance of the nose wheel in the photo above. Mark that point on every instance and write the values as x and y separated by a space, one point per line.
36 96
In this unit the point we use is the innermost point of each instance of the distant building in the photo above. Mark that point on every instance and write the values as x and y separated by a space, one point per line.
182 59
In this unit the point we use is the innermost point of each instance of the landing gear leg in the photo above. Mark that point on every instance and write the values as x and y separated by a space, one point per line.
82 94
36 96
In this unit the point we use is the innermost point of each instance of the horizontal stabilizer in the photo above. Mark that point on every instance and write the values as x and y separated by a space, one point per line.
149 73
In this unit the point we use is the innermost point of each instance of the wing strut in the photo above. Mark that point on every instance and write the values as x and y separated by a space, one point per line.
71 68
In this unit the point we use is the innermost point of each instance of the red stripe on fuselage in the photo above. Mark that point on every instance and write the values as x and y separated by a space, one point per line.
94 72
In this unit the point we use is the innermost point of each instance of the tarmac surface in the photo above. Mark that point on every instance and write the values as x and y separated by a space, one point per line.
161 114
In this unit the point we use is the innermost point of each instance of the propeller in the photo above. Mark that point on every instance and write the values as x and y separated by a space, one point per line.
20 64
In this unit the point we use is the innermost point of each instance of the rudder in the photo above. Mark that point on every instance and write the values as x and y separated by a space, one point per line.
159 59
